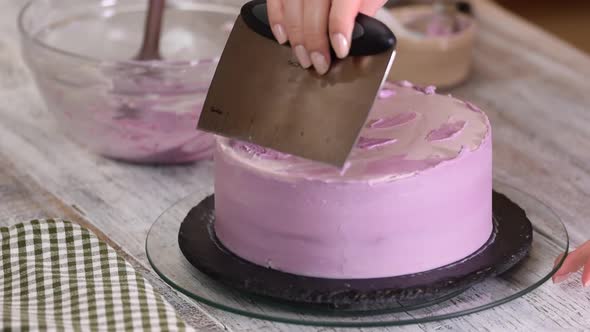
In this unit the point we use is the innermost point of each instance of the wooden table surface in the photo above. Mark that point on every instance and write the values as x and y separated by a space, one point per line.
534 87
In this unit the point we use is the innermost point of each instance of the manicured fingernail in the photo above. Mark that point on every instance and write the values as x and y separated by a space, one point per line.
560 278
340 44
279 33
302 56
319 62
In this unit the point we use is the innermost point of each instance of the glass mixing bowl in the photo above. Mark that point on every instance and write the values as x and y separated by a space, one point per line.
81 51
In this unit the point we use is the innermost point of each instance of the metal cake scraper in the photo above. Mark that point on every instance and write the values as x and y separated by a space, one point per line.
260 94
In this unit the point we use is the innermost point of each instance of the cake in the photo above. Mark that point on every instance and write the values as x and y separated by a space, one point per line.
414 195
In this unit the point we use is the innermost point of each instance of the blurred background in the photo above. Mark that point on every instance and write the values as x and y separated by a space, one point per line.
568 19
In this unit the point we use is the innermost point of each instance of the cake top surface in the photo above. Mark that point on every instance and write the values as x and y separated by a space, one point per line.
410 129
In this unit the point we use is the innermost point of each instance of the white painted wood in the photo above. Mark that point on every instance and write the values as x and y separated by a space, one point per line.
533 86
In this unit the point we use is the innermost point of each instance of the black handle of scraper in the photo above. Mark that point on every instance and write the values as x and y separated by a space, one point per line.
369 37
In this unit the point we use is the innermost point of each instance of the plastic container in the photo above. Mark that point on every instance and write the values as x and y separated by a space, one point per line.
431 58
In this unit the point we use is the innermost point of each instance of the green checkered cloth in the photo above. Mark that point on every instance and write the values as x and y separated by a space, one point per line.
56 275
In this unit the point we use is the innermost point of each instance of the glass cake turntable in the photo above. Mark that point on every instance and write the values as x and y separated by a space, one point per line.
510 265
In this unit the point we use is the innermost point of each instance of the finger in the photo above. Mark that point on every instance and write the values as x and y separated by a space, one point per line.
586 274
293 11
341 24
370 7
315 32
276 19
559 277
557 260
575 260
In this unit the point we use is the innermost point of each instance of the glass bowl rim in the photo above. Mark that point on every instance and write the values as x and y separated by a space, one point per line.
28 37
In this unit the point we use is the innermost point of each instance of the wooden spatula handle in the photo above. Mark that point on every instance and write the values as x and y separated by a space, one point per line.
150 47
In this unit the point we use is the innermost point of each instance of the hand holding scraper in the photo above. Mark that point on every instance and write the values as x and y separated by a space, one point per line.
261 94
311 26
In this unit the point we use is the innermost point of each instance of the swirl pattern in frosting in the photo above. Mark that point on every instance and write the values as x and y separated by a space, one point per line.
410 129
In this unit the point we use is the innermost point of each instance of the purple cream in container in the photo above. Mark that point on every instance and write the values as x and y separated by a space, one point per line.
143 112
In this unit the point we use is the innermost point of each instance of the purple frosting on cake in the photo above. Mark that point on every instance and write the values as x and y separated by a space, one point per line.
415 194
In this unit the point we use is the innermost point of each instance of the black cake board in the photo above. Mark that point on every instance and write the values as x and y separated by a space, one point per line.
509 243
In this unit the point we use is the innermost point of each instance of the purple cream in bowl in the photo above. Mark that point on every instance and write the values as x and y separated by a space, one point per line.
142 112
